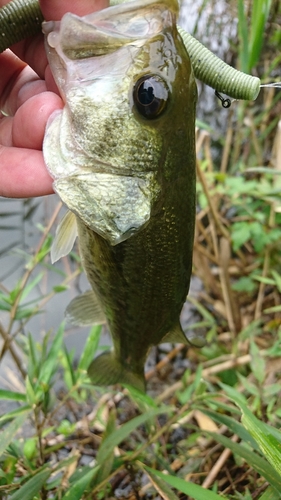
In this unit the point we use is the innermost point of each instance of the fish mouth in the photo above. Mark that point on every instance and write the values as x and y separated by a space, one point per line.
106 30
98 166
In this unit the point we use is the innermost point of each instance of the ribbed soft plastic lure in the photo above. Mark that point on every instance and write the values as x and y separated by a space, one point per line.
22 18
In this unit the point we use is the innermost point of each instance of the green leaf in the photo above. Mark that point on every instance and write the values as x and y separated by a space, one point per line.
244 284
249 386
33 363
274 309
10 431
258 463
29 287
233 394
90 348
14 396
31 396
161 486
143 401
270 494
106 465
240 234
243 37
68 367
14 413
60 288
123 432
267 442
264 170
51 361
32 487
264 279
190 489
259 15
232 425
257 363
76 491
277 279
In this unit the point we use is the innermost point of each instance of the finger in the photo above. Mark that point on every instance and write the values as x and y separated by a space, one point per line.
14 77
23 173
55 9
32 50
32 118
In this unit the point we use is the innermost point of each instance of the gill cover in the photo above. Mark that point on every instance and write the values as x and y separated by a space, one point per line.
96 61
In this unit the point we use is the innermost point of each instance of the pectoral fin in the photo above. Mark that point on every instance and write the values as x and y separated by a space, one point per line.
107 370
85 310
66 234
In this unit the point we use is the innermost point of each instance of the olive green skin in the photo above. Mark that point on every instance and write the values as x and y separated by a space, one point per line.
142 282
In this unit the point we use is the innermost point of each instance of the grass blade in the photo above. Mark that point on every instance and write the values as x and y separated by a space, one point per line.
260 13
121 433
8 434
267 442
243 36
258 463
270 494
32 487
14 413
90 348
232 425
191 489
13 396
76 491
161 486
70 373
51 361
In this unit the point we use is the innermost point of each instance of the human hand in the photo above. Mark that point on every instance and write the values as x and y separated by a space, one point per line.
28 95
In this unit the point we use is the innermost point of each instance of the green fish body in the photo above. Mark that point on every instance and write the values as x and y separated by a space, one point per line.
122 155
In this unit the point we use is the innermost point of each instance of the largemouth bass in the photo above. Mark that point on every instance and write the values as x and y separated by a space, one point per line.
122 155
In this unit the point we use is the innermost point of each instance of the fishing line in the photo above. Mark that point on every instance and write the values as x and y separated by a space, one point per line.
276 85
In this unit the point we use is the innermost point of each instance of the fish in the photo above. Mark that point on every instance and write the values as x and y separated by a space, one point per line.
122 156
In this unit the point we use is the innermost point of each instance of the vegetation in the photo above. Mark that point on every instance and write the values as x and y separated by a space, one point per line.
209 426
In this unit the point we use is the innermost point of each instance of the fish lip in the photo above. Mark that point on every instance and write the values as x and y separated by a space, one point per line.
100 166
103 167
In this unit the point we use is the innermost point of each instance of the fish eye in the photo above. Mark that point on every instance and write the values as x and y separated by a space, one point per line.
150 95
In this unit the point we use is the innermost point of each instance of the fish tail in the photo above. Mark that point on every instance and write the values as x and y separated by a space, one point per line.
107 370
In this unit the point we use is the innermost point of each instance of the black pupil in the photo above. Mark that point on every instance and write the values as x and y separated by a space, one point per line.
146 93
150 95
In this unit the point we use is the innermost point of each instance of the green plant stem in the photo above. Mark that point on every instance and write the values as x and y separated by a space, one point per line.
16 358
39 427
